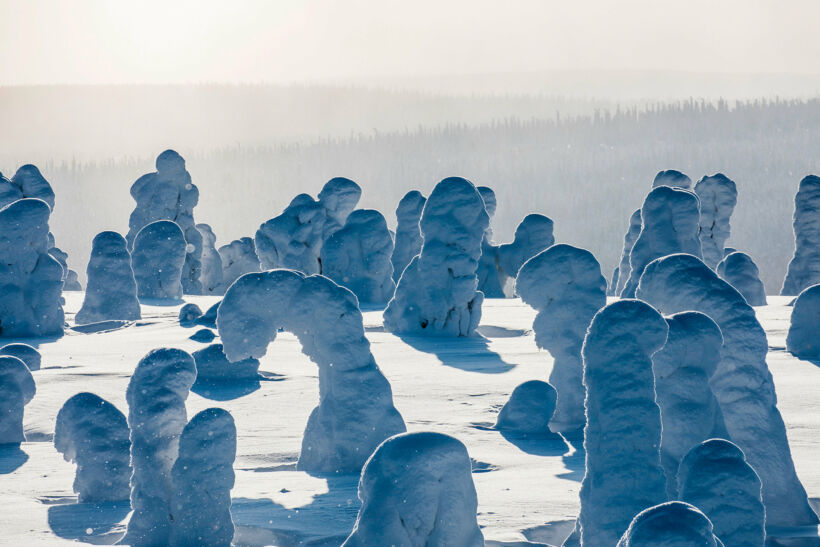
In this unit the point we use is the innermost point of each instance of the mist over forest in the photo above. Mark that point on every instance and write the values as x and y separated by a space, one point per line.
587 163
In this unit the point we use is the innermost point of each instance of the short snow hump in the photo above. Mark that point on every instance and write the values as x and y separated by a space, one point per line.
417 489
804 267
715 477
157 260
437 292
111 291
31 297
93 433
17 389
803 339
564 284
742 383
355 411
670 524
623 429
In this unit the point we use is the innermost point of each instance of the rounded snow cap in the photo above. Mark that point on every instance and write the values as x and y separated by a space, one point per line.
803 339
712 450
170 162
24 352
672 178
339 186
529 408
188 314
670 524
16 370
366 216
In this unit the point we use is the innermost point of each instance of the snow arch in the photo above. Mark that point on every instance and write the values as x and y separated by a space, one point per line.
355 411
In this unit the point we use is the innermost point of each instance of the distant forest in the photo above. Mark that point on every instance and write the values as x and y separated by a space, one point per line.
587 171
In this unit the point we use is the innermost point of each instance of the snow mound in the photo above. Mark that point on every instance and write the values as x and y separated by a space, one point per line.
355 411
804 267
671 524
742 383
715 477
212 365
437 291
623 429
669 225
211 277
203 335
111 291
623 269
156 416
169 194
533 235
92 433
408 234
338 197
529 409
358 257
690 412
294 238
158 259
740 271
27 354
31 280
565 285
803 339
17 389
718 197
417 489
188 314
203 477
673 179
238 258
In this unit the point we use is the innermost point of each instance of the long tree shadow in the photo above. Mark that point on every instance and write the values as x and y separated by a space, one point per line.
11 458
326 520
96 523
470 353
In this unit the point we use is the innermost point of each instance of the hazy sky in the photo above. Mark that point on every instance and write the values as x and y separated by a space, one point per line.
112 41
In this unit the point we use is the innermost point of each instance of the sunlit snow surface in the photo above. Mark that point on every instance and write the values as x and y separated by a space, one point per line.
527 488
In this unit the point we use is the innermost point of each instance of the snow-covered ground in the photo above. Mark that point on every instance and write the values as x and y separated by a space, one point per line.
527 488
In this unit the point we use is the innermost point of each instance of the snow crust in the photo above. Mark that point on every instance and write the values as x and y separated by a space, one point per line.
358 257
416 490
437 292
669 224
690 412
355 411
169 194
156 417
111 291
739 270
93 433
31 280
718 197
408 234
742 383
803 339
564 284
715 477
158 259
804 267
671 524
203 477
